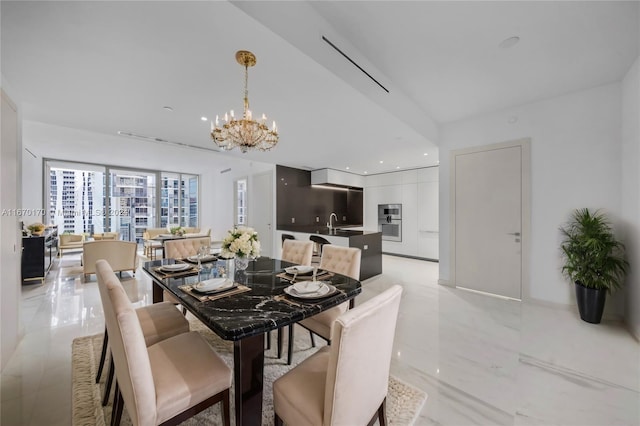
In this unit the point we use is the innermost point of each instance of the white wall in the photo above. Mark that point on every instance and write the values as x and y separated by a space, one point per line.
225 187
631 192
10 235
575 156
48 141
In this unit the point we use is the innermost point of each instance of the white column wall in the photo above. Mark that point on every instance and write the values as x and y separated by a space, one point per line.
631 192
575 156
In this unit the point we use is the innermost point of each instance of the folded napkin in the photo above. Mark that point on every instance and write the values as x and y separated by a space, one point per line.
307 287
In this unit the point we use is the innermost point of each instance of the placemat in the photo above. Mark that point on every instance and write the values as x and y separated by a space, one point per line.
188 288
164 274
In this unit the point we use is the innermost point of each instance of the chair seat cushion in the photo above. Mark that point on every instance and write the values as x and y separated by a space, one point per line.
299 394
186 371
321 323
161 321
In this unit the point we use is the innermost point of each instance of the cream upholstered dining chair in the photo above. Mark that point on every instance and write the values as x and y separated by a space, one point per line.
300 253
167 382
158 321
121 255
346 383
179 249
184 247
341 260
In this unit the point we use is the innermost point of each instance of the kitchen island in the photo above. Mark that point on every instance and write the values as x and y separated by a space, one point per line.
369 242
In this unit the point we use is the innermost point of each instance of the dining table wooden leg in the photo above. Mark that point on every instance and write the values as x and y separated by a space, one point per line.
248 361
158 293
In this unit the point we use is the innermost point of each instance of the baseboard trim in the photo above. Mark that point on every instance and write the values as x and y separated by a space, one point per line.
408 256
445 283
484 293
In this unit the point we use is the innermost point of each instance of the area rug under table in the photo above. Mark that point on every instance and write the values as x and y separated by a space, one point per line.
403 401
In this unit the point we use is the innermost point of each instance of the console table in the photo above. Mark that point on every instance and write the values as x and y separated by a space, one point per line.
38 253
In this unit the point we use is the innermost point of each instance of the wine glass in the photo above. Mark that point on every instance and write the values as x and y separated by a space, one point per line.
202 252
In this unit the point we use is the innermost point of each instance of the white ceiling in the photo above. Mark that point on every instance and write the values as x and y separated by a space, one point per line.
112 66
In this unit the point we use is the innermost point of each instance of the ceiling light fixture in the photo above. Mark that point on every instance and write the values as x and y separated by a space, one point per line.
203 118
509 42
244 133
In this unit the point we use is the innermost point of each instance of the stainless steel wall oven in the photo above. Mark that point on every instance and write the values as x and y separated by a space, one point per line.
390 221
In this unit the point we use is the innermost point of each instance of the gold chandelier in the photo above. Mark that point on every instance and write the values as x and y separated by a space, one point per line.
245 133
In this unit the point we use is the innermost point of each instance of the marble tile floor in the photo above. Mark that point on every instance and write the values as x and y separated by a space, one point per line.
482 360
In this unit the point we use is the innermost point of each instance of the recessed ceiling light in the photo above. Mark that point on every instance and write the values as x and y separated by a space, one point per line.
168 108
365 172
347 167
381 161
426 153
397 167
509 42
203 118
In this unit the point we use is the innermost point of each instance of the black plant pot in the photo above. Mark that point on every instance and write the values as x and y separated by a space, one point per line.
590 303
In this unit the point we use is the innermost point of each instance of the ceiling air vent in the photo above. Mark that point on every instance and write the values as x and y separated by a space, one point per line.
354 63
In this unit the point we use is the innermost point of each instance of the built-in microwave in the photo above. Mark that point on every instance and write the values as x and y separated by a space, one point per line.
390 211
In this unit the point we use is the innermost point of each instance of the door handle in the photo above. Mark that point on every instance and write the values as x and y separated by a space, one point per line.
517 234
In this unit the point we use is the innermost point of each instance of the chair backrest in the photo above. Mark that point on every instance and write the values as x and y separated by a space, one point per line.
153 233
71 238
128 348
110 235
185 247
319 240
287 237
121 255
366 329
341 260
298 252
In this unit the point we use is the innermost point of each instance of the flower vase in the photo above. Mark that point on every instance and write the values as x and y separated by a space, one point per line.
241 263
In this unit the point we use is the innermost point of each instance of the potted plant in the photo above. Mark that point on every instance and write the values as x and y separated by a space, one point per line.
36 228
177 230
593 260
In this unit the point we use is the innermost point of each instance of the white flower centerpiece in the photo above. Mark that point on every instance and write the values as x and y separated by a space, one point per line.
241 243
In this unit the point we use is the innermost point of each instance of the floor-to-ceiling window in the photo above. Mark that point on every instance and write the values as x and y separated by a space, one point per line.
90 199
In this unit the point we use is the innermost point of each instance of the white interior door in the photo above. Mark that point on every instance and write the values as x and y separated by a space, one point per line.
261 205
487 190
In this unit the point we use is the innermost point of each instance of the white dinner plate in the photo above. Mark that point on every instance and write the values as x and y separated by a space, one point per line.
299 269
214 285
175 267
325 291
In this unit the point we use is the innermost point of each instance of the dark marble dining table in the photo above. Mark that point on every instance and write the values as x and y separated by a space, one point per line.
245 318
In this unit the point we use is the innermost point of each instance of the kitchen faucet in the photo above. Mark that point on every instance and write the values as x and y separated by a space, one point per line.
330 224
